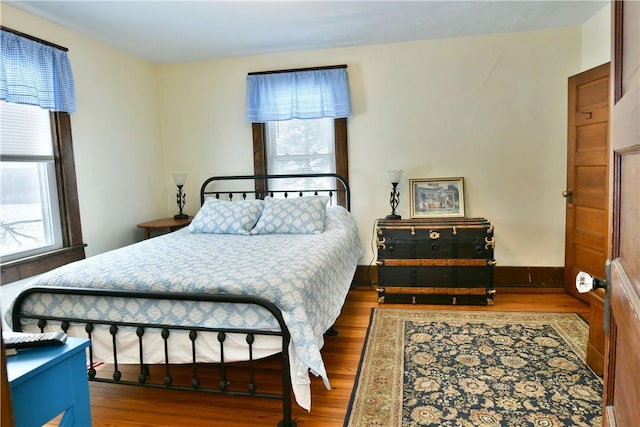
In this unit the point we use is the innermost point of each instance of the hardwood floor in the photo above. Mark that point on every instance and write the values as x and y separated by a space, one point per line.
119 405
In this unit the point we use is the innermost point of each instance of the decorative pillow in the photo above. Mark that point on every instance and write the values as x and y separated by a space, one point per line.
298 215
224 217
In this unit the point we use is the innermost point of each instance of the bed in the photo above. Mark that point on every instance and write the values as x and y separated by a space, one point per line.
258 272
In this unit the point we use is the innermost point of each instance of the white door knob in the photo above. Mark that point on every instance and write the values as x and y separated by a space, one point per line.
584 282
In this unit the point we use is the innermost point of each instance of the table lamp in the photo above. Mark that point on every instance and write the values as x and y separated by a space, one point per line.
179 179
394 177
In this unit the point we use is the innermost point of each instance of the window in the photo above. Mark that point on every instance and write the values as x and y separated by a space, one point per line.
323 148
60 190
29 214
52 236
40 216
299 146
299 122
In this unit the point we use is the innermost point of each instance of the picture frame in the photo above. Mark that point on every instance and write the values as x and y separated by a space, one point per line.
437 197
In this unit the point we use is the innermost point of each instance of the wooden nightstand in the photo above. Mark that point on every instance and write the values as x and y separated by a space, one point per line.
164 224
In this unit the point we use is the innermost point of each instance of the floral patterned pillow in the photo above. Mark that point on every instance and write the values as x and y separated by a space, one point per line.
224 217
298 215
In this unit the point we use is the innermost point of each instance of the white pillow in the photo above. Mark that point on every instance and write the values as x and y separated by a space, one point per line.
298 215
224 217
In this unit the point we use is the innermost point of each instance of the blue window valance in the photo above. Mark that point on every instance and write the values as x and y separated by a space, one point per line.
307 94
34 73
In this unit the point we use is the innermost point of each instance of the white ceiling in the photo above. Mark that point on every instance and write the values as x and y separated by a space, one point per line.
175 31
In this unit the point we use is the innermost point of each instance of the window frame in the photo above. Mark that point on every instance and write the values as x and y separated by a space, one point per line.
69 207
260 160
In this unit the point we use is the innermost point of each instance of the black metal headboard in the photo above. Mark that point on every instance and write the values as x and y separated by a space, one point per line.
237 187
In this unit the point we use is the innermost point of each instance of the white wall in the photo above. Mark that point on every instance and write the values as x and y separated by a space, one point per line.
491 109
596 39
116 137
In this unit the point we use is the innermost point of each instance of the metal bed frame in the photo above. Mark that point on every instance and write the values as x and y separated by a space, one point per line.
260 190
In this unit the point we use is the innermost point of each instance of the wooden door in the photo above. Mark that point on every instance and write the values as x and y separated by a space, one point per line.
587 171
622 353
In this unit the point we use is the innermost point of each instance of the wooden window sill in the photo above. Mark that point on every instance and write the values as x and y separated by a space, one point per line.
12 271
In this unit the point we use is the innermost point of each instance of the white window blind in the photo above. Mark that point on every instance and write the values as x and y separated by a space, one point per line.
300 146
25 131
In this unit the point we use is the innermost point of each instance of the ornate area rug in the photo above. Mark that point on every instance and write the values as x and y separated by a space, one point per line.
423 367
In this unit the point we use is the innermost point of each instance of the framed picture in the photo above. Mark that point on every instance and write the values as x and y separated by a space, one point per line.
437 197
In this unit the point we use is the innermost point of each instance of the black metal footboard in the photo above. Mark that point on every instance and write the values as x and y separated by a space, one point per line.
91 327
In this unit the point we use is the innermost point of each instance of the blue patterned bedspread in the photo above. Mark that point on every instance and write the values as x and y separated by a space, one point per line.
306 275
